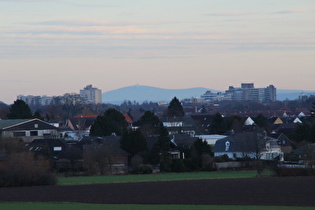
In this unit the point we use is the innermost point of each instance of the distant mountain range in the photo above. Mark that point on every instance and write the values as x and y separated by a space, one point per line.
292 94
140 94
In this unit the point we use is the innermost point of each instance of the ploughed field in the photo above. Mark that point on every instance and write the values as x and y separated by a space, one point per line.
283 191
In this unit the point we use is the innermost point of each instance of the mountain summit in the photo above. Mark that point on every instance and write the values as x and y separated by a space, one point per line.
140 93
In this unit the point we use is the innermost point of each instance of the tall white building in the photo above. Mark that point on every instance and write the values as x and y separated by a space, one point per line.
247 92
91 95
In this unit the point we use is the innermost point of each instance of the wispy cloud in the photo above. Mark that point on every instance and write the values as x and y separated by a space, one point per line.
98 23
292 11
228 14
91 5
235 14
82 30
26 0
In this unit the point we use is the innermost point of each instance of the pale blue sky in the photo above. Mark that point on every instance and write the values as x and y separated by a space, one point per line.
52 47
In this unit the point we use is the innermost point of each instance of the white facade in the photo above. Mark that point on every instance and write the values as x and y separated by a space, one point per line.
211 139
234 155
91 95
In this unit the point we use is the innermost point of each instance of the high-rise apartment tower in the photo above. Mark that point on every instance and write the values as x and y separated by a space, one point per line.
91 95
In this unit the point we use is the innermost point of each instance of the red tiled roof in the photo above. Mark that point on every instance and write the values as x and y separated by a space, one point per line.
128 118
85 116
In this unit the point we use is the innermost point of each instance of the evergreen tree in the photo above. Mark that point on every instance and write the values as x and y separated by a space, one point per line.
218 125
235 123
163 147
112 121
133 142
196 155
175 109
261 121
19 110
313 109
149 123
38 115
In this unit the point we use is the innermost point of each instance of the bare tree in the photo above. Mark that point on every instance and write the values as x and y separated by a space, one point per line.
98 159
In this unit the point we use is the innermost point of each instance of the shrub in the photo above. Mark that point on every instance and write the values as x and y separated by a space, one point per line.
207 163
144 169
177 165
21 169
294 171
222 158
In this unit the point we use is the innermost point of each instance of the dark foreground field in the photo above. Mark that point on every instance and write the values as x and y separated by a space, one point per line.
288 191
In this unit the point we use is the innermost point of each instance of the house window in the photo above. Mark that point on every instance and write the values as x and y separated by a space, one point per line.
34 133
20 133
35 125
57 149
227 146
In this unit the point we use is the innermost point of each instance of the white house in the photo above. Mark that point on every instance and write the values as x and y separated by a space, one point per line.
211 139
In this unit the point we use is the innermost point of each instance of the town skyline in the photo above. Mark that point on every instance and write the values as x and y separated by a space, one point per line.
50 47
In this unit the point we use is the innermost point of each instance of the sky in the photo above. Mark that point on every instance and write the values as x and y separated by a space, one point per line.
53 47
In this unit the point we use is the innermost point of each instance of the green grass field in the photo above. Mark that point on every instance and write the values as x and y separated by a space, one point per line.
155 177
79 206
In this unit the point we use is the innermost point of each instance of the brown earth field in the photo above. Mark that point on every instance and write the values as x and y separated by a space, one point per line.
275 191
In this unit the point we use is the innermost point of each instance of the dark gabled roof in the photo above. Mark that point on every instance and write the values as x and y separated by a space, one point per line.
242 142
111 141
187 120
50 142
8 123
188 124
283 140
203 121
305 149
80 123
39 145
184 140
286 128
89 140
25 124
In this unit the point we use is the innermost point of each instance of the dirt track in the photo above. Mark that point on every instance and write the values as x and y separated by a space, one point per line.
288 191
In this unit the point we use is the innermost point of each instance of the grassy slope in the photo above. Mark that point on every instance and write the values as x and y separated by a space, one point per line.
79 206
155 177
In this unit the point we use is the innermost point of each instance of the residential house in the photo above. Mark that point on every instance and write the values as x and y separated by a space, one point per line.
305 152
203 122
27 129
55 147
119 156
79 126
178 143
247 144
179 125
128 120
249 122
211 139
181 143
284 142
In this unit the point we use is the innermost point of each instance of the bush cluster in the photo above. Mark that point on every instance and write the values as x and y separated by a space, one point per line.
143 169
294 171
21 169
222 158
